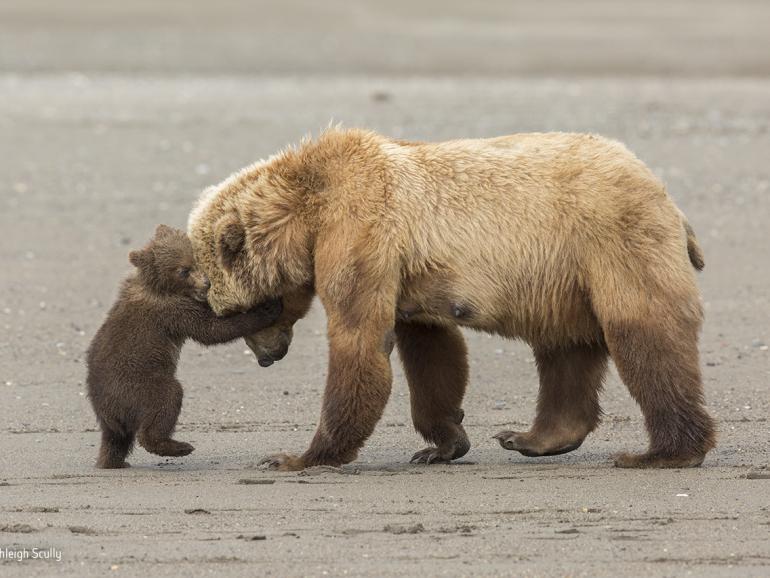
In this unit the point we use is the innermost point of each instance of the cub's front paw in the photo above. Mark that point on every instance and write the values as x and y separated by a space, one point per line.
282 462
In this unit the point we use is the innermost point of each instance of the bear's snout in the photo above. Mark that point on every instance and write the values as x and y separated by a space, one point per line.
267 359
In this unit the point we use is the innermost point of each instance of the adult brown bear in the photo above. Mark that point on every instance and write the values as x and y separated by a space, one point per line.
567 241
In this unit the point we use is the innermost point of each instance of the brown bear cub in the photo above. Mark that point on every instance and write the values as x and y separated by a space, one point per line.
133 357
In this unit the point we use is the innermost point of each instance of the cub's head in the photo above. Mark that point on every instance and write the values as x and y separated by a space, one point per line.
166 265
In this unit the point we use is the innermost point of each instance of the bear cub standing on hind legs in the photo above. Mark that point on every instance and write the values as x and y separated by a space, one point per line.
133 357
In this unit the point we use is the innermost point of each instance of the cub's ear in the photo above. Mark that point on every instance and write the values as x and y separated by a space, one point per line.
139 258
231 238
163 231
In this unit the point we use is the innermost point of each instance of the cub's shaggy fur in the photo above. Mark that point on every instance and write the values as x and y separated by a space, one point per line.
132 359
567 241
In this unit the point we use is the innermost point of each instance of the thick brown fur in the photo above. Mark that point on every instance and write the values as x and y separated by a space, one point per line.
133 357
567 241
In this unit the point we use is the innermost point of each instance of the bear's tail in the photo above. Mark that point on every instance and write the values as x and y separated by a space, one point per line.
693 249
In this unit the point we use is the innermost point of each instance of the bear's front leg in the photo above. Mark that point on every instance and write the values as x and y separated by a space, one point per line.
357 389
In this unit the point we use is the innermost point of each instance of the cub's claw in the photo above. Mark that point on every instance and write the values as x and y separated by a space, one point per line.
282 462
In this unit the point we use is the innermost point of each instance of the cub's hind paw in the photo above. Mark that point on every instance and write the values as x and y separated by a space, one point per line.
169 448
112 464
182 449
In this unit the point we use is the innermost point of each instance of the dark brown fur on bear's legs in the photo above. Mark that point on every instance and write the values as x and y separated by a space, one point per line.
116 445
568 403
158 426
357 389
659 364
435 361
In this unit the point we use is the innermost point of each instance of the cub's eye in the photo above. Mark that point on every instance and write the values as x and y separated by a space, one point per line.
184 273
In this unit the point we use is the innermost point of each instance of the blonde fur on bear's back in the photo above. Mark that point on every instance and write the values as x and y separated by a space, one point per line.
523 221
533 231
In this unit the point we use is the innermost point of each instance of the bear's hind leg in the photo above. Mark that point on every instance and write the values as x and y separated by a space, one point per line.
116 445
159 422
568 403
435 361
658 362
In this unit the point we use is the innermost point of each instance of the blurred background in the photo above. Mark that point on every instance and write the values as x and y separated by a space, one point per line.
493 38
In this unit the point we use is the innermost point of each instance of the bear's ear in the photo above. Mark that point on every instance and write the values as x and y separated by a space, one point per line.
139 258
163 231
230 240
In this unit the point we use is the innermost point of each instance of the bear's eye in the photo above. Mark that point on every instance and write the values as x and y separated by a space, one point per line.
184 273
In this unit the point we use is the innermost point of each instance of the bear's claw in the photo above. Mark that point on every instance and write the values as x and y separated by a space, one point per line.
445 453
520 442
430 456
282 462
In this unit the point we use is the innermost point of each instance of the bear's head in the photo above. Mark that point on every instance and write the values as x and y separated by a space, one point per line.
166 265
251 238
